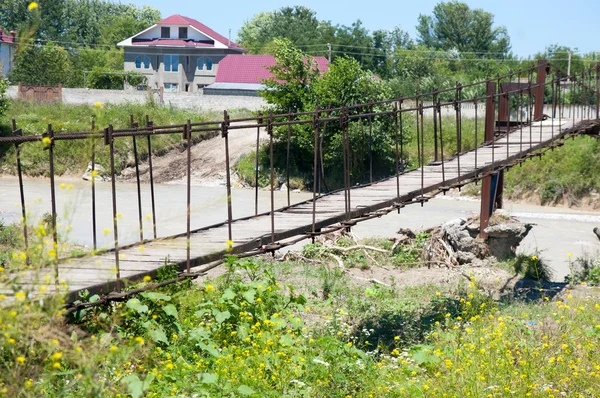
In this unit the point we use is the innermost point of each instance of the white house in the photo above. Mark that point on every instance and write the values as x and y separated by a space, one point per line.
8 45
178 54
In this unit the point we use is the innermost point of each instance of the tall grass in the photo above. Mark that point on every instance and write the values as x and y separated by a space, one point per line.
73 156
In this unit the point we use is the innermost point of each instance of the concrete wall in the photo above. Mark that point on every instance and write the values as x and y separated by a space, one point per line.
198 101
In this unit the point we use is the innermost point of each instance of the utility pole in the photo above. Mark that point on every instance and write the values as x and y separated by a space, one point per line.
329 52
569 65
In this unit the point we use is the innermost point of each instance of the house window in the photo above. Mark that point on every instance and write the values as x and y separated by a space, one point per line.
183 33
171 87
201 63
165 32
209 63
171 63
142 61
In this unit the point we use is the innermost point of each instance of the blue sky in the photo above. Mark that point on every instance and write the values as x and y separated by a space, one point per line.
531 24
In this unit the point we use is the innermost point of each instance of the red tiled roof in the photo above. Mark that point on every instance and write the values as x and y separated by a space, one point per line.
171 42
7 37
181 20
236 68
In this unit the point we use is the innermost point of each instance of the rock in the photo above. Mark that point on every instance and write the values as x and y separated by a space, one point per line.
283 187
406 232
296 191
101 176
503 239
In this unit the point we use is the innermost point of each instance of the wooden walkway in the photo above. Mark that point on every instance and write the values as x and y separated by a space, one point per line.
97 274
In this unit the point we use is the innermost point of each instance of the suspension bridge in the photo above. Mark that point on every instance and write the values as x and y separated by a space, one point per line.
521 119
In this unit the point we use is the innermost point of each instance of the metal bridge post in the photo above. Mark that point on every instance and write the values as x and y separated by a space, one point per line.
486 186
225 134
315 160
542 72
259 121
50 147
187 135
19 133
270 132
149 125
134 125
109 140
94 232
597 96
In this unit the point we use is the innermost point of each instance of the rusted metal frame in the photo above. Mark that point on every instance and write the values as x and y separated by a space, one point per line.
187 135
18 133
540 81
597 93
225 134
422 152
94 227
322 179
270 132
149 125
370 142
530 93
457 108
362 150
346 161
109 140
520 113
137 178
435 130
396 130
315 165
50 147
508 126
439 115
418 138
287 160
259 122
476 103
489 136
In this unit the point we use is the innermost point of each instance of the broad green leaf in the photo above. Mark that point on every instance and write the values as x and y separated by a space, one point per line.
245 390
249 295
154 296
159 335
170 310
212 351
220 317
199 334
136 305
94 298
207 378
228 294
135 386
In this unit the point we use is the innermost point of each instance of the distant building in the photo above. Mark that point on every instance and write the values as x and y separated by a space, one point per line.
178 53
244 74
8 44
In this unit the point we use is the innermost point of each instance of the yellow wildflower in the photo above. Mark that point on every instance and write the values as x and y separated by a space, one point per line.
20 296
21 359
147 278
32 6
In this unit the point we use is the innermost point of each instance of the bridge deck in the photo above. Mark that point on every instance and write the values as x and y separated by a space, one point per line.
97 273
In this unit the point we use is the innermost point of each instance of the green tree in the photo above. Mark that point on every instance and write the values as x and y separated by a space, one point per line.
298 24
4 100
36 64
453 25
291 86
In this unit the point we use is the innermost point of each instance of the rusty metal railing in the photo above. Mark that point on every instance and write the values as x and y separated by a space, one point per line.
495 99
